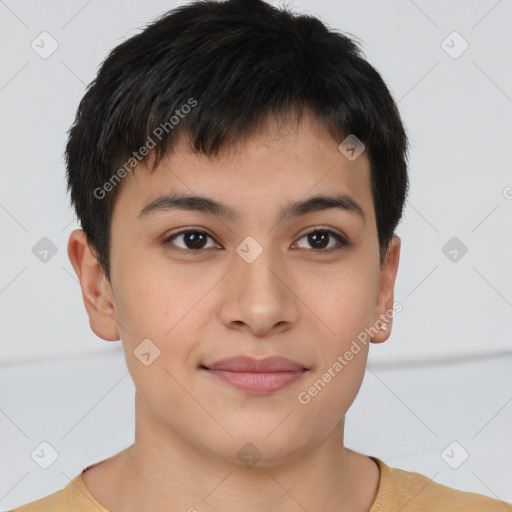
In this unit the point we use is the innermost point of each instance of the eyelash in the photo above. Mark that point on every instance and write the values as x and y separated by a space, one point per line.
343 243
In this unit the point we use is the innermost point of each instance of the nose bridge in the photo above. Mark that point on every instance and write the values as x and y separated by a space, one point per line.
258 295
258 268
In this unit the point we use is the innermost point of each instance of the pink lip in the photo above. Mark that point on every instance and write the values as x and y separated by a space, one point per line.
257 376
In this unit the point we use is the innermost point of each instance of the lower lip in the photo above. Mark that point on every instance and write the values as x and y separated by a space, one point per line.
260 383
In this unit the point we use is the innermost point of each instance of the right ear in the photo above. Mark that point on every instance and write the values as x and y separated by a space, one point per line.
96 289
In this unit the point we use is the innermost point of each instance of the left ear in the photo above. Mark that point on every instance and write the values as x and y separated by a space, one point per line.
385 297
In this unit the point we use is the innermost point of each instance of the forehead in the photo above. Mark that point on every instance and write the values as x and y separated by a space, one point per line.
277 164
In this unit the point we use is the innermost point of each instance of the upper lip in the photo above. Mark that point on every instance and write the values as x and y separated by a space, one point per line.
250 364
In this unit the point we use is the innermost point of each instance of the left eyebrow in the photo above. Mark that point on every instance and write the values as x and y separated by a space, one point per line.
207 205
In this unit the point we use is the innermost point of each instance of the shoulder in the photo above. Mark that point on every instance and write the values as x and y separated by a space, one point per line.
75 497
414 492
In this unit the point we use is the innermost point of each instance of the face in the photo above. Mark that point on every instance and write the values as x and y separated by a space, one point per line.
190 287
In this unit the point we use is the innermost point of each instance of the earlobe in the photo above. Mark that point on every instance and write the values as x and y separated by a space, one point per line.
382 321
96 290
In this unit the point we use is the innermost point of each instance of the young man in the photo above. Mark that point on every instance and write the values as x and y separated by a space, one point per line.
239 172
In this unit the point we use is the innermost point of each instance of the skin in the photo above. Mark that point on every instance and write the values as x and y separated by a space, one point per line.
198 308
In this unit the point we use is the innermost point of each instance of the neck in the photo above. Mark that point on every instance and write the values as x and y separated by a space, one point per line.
162 471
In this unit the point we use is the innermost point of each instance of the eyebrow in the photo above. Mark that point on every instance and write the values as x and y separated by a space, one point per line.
207 205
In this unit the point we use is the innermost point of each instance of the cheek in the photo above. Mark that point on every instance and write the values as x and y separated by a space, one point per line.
165 310
152 297
344 301
328 394
344 305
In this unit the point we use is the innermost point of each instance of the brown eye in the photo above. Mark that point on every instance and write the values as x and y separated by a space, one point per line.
320 238
193 240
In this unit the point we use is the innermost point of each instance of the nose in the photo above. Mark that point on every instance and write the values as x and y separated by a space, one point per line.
260 296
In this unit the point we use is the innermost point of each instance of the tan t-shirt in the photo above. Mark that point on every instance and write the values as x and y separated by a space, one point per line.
398 490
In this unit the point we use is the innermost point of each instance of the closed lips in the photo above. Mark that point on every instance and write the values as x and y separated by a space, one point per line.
251 365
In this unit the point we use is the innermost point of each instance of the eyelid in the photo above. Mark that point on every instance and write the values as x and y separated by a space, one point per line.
318 227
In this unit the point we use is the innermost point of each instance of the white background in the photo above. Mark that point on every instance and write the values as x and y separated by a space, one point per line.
444 374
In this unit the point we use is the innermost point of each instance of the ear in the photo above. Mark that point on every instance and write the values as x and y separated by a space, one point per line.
385 296
96 289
